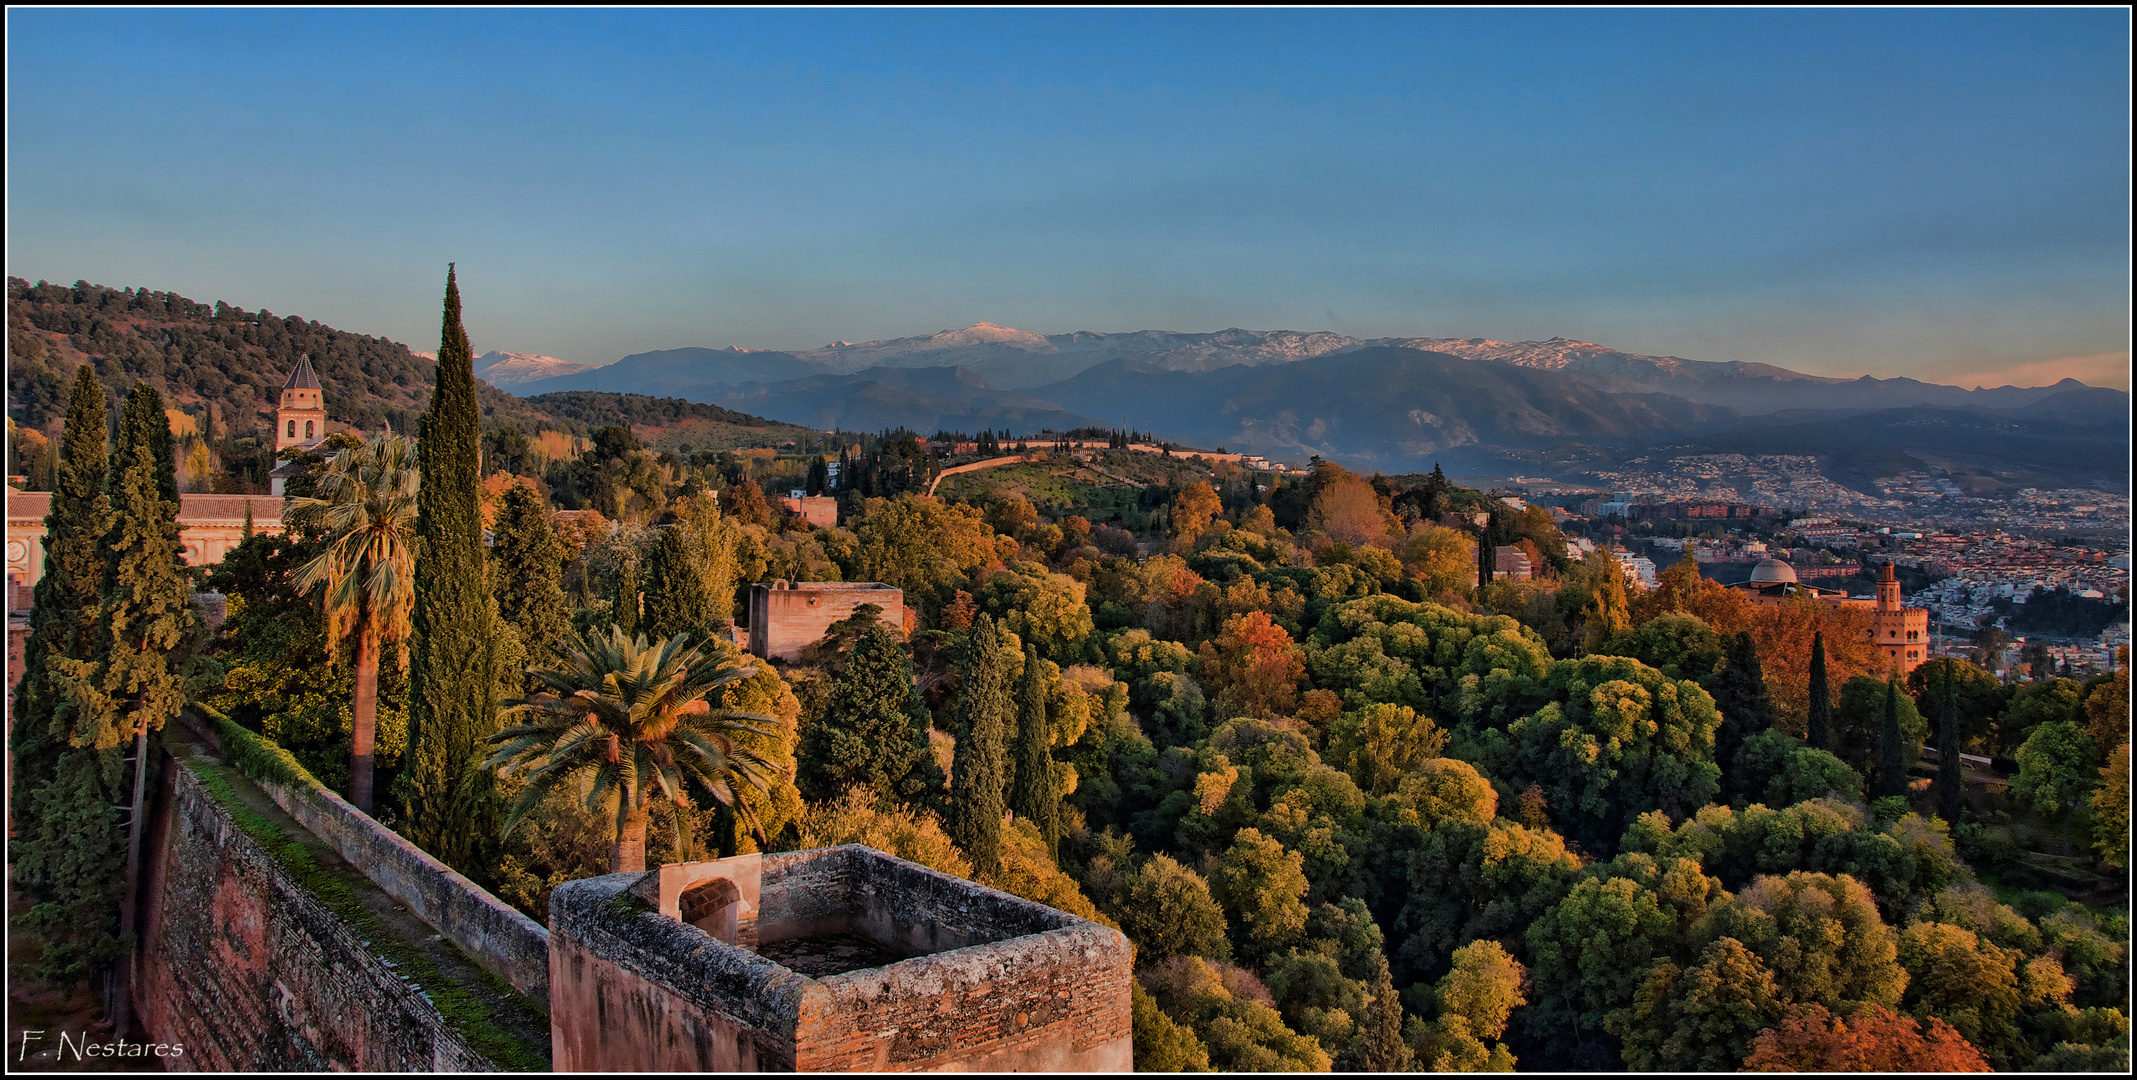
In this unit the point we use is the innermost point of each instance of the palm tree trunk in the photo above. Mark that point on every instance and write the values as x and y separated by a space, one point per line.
629 854
364 710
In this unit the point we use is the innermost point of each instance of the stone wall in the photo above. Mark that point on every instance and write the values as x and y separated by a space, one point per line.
785 616
491 932
250 970
1005 984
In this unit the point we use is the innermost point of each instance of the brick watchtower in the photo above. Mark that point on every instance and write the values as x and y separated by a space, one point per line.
300 419
1902 632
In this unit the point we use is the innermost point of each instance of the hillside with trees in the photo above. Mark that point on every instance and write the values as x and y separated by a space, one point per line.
1358 806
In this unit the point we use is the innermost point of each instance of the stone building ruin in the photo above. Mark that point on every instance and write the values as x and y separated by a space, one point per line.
832 960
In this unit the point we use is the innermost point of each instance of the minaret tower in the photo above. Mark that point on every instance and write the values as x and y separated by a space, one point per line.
300 419
1902 632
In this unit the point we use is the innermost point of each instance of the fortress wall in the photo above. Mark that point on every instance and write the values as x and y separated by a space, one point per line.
250 971
783 621
491 932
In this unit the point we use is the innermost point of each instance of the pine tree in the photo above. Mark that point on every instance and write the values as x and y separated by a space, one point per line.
452 687
1035 793
1891 746
527 574
68 849
1820 732
1740 695
980 773
873 732
677 599
148 615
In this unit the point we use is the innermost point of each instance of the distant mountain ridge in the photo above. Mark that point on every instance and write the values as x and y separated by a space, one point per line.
507 369
1010 359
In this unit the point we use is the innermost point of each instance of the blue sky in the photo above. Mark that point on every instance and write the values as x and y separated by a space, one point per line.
1936 194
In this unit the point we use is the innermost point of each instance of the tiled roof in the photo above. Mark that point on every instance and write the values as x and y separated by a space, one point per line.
304 378
191 508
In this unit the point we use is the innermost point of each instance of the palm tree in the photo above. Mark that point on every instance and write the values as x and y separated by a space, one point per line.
365 504
634 715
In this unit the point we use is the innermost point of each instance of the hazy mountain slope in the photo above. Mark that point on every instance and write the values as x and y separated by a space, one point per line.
1388 406
1015 359
506 369
2086 446
923 399
684 373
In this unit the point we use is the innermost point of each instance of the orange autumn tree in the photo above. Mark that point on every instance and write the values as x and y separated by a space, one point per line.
1682 589
1874 1039
1193 509
1783 634
1254 667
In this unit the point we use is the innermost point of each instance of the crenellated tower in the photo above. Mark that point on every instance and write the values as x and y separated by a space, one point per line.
1902 632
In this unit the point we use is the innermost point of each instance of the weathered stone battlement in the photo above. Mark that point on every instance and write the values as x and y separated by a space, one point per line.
959 977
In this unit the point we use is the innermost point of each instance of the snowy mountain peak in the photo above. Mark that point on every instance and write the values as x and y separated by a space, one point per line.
508 369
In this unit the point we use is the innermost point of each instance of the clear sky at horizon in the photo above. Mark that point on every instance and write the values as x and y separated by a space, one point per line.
1940 194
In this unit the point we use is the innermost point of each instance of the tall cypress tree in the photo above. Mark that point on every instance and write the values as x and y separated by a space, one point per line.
874 730
527 574
1740 695
1891 746
624 610
677 598
69 845
1820 733
1951 781
452 687
1035 793
147 612
980 773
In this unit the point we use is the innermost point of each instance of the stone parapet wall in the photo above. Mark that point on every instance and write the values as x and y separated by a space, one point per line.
491 932
251 971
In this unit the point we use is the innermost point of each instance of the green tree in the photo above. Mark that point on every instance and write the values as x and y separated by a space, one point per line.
677 600
1262 889
1035 791
1820 729
1859 728
1160 1044
632 716
527 571
452 705
1619 740
2057 768
1475 1000
1893 748
2111 810
1608 612
68 845
629 600
873 731
1950 784
365 510
979 775
1740 696
148 615
1167 910
1701 1018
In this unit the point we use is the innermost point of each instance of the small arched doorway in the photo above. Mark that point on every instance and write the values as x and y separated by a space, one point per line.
713 906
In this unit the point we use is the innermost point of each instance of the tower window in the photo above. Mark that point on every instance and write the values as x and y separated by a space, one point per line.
307 429
293 429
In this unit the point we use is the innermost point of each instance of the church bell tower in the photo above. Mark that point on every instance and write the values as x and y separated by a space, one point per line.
300 418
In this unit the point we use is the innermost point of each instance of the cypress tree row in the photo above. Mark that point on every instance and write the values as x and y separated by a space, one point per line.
1035 794
1740 695
1820 732
68 847
677 600
874 731
527 574
1891 746
452 687
980 773
147 611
